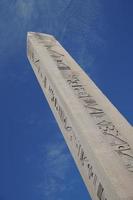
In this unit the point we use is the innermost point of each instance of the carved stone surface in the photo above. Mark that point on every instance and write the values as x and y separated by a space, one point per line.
98 136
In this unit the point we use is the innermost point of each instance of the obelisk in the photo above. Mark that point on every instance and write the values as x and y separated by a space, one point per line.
98 136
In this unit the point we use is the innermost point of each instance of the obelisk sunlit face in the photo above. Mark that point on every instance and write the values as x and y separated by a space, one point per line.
89 123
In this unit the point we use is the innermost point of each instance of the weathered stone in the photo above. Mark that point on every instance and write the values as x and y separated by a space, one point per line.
98 136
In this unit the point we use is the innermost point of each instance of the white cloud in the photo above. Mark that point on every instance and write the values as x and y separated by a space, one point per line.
56 164
25 9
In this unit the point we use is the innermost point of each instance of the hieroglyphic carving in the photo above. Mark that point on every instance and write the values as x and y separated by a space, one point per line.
89 164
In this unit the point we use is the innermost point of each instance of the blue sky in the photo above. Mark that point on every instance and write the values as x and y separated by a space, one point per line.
35 161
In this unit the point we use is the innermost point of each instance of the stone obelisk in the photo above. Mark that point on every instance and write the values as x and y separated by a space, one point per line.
98 136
